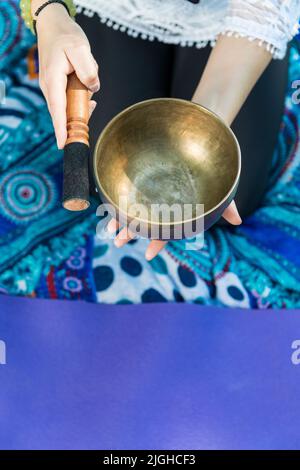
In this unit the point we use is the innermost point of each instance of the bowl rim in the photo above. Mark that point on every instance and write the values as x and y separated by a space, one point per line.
151 100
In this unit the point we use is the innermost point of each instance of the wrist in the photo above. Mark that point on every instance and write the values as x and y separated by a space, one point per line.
233 68
29 8
215 101
36 4
51 14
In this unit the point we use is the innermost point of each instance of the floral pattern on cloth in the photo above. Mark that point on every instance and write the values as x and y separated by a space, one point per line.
72 279
36 234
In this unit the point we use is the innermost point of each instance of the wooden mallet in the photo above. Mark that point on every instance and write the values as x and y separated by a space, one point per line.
76 151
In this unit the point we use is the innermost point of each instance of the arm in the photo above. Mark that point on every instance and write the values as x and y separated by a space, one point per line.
233 68
63 48
235 64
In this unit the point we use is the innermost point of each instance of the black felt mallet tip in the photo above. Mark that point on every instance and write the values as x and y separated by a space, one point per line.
76 177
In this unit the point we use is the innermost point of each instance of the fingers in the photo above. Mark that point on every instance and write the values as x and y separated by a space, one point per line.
123 237
112 226
154 247
55 94
54 88
232 215
85 66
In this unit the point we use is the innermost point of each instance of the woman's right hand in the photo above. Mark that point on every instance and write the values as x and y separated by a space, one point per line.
63 48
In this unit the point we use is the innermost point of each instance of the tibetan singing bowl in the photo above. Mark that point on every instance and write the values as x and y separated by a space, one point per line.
167 153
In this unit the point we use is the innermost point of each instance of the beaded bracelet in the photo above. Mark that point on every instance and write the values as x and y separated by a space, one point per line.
25 6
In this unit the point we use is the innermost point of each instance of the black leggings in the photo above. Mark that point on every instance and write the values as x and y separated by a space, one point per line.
134 69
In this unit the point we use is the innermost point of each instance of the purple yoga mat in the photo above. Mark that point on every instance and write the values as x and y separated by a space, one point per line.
155 376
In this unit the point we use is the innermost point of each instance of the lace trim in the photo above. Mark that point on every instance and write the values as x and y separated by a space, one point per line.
276 53
271 23
136 22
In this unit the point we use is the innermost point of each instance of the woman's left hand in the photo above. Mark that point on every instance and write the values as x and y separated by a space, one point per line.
155 246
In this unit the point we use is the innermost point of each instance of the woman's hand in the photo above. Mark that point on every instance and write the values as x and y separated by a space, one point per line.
155 246
63 48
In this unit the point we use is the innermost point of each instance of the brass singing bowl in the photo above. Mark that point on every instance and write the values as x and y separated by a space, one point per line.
167 151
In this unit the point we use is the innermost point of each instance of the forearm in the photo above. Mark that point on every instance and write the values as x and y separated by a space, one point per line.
233 68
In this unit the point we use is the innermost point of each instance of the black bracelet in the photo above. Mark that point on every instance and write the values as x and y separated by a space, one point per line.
38 11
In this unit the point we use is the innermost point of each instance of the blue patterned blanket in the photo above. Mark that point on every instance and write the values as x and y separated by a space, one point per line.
37 236
48 252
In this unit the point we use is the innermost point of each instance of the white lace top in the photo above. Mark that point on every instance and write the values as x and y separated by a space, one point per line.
272 22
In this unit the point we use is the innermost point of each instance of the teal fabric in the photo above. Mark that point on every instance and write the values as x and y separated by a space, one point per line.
36 233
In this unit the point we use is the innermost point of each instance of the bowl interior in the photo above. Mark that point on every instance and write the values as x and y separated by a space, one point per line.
165 151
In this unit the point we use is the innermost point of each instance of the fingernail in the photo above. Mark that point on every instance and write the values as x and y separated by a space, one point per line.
61 141
237 219
117 242
95 88
93 105
148 256
237 215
